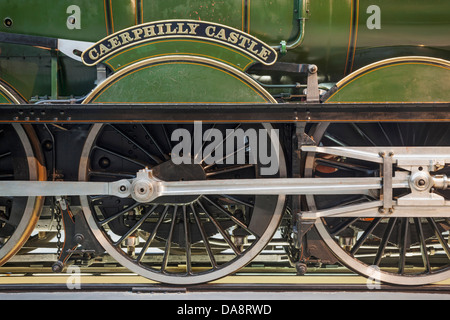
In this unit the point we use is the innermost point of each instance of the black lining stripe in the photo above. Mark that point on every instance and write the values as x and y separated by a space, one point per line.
108 14
353 37
245 13
139 13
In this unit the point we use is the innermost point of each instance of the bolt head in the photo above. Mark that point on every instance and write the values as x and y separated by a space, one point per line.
142 191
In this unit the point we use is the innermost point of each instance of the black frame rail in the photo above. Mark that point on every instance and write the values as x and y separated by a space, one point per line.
224 113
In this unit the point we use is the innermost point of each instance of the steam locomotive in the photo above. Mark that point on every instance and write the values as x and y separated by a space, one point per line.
186 140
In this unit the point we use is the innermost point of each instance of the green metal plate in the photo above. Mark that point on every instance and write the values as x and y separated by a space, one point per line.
50 18
408 79
179 79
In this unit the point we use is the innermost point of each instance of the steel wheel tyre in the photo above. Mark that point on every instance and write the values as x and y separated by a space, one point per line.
403 251
151 239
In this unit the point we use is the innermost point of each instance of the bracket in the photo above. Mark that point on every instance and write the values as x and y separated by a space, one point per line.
78 238
387 181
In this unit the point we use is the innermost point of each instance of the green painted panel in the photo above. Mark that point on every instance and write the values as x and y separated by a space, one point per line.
273 20
28 70
400 82
407 27
227 12
178 81
4 99
124 14
326 38
180 47
50 18
270 21
389 28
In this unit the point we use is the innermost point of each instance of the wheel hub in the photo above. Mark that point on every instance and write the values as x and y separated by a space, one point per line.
143 189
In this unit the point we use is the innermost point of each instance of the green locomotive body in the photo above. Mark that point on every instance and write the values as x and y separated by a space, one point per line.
339 36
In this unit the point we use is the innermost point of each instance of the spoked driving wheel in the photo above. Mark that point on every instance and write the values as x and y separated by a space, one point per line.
18 215
177 239
20 159
405 251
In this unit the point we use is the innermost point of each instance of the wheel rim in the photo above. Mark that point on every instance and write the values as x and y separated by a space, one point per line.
217 225
404 251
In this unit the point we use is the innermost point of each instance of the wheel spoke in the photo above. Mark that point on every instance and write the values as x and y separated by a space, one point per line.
335 140
152 235
206 139
230 215
400 135
229 169
187 235
7 222
121 156
119 214
4 155
363 134
385 134
131 140
423 246
344 225
121 175
169 241
223 232
166 136
165 156
137 225
384 241
6 176
439 236
403 244
245 203
222 160
204 237
207 156
365 235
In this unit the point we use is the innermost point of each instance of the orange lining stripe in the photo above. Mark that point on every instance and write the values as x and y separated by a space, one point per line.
15 90
243 11
248 16
112 15
1 94
356 35
349 37
353 36
135 12
106 17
